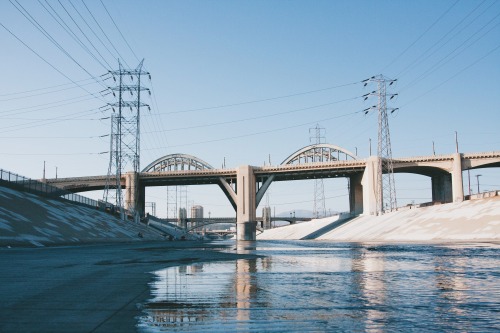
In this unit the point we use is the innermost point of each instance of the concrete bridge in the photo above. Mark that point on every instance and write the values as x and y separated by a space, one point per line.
246 185
197 223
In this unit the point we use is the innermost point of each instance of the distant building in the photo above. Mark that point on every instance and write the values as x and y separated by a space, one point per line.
196 215
197 212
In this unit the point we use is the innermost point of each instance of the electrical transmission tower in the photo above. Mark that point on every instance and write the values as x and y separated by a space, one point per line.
317 135
386 188
125 141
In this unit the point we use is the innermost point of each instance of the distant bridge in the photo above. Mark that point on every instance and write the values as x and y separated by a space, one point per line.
245 186
197 223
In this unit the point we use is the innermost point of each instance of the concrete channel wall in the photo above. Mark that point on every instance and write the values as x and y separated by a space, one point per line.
30 220
477 219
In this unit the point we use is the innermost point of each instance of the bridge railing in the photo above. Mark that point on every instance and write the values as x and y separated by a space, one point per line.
24 184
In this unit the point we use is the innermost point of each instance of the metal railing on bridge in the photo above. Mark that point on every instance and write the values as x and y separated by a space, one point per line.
24 184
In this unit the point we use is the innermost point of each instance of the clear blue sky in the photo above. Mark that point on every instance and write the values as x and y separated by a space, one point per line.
205 54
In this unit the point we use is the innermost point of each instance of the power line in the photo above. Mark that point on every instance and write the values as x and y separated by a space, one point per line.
453 76
48 154
420 58
35 23
421 35
90 28
105 35
48 63
446 59
46 88
68 30
263 100
116 26
84 34
26 125
78 99
259 117
42 93
258 133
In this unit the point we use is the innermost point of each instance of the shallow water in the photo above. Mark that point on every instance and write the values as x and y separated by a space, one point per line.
310 286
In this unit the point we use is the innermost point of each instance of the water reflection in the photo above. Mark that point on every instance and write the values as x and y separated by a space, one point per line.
451 288
172 305
369 281
307 286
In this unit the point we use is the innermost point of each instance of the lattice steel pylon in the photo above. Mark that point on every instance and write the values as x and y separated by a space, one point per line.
317 135
125 141
386 187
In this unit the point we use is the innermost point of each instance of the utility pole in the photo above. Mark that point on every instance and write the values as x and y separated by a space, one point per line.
386 188
318 137
125 135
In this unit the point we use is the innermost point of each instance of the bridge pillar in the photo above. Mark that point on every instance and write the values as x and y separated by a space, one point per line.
356 194
130 181
246 224
135 194
369 183
442 188
456 178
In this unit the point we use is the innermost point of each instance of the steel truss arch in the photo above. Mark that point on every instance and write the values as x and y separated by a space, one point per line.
323 152
175 162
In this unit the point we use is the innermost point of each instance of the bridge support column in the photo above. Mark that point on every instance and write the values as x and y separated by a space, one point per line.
130 181
442 188
355 194
246 224
134 195
369 183
456 178
141 200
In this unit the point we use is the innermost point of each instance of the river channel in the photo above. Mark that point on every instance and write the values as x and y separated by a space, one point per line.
312 286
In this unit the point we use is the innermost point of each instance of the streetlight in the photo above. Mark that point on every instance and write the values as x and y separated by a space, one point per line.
477 177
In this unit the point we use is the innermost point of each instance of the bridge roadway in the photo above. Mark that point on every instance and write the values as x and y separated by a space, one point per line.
245 186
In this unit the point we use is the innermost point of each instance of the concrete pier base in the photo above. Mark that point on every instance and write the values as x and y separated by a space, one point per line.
246 231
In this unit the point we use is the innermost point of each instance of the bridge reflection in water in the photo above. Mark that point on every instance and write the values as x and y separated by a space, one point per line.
318 286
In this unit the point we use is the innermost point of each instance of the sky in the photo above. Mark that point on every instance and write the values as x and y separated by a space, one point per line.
244 82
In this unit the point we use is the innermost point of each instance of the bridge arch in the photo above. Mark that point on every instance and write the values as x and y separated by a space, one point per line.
323 152
174 162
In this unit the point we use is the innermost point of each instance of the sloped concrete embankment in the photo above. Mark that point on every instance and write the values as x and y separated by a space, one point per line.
472 220
171 230
305 230
30 220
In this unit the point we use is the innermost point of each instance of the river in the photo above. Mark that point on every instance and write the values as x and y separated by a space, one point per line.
313 286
